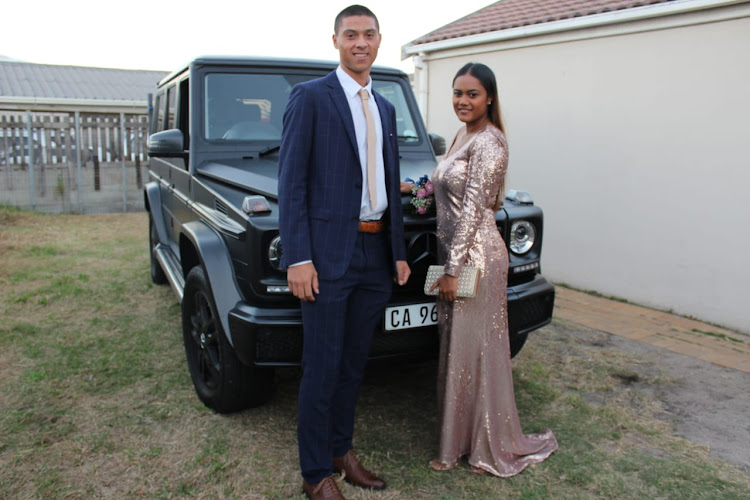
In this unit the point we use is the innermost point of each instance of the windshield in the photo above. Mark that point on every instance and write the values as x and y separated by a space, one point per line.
392 91
250 107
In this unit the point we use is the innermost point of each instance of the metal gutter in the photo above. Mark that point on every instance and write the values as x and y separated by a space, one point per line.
70 104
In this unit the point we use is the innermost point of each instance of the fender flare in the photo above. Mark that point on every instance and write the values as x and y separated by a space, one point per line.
152 201
214 256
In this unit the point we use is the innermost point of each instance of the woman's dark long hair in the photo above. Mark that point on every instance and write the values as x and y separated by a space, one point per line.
487 78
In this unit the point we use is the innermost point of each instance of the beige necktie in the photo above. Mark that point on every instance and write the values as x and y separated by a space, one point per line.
372 140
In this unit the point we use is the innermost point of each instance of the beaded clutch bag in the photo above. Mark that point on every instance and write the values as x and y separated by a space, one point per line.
468 281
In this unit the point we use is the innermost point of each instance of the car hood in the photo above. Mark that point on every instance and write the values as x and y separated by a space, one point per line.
260 176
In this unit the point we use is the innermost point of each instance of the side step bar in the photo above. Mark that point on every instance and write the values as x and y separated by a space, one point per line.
172 269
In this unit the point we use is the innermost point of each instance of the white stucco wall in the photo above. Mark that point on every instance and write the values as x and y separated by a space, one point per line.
637 147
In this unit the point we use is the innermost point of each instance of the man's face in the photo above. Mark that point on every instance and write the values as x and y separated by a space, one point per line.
357 41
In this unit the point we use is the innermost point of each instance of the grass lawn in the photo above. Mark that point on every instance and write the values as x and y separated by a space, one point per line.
96 400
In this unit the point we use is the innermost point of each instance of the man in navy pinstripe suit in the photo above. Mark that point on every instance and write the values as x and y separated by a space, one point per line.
343 246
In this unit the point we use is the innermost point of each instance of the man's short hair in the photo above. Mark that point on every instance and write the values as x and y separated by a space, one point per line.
353 10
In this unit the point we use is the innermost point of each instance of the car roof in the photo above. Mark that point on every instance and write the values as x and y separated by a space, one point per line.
270 62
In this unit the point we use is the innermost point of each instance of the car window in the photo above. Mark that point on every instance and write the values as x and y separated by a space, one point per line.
171 107
159 107
245 107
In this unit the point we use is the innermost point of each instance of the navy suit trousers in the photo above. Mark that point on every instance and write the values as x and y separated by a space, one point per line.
338 330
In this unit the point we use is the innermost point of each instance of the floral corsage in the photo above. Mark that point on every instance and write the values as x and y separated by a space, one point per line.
423 197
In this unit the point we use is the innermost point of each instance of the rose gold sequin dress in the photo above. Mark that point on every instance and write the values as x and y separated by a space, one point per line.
478 415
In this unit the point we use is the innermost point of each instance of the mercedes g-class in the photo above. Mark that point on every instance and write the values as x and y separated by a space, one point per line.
215 132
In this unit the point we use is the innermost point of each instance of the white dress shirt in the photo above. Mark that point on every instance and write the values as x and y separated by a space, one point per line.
351 89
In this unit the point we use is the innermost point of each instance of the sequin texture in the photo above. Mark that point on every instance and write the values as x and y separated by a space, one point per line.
478 415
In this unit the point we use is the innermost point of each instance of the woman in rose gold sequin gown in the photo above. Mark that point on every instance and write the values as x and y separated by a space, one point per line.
478 416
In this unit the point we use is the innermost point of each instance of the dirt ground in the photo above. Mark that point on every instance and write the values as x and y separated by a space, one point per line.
706 404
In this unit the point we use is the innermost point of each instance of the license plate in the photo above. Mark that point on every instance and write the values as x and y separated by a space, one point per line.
411 316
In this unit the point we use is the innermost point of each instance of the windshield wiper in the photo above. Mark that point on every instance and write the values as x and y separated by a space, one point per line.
269 150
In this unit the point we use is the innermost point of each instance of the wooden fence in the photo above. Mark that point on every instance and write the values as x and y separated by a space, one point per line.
72 162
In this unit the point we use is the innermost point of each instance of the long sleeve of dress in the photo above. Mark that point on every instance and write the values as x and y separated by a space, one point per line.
487 164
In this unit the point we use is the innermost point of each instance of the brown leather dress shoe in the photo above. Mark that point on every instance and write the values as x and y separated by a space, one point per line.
327 489
355 474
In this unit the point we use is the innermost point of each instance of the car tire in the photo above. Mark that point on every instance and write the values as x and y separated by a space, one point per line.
516 343
157 273
222 381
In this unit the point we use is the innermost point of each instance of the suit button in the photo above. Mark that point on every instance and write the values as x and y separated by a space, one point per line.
358 185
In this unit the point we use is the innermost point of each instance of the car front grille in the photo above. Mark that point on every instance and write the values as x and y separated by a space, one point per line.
279 345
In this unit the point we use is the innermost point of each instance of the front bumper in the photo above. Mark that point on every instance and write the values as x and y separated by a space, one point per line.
530 305
273 337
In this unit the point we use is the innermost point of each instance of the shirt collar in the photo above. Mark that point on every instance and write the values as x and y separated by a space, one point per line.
350 86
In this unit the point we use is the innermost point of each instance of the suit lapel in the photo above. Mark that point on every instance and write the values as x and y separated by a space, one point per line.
342 106
338 97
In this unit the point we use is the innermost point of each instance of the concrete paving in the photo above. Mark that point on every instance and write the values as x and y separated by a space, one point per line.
682 335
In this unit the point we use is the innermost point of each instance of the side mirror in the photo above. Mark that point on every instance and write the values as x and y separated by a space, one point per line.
438 144
167 143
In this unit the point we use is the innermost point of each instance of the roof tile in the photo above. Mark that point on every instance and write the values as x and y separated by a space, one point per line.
21 79
507 14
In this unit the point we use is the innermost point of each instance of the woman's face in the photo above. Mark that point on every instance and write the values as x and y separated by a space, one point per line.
470 100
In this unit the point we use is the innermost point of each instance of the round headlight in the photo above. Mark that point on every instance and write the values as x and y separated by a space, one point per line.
275 251
522 236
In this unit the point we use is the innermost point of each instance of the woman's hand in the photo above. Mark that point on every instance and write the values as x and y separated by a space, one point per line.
447 286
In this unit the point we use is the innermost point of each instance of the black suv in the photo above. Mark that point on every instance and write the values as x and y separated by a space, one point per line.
213 227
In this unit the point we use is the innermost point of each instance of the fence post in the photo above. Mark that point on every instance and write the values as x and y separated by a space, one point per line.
41 174
94 144
137 149
8 170
150 111
122 159
29 142
79 179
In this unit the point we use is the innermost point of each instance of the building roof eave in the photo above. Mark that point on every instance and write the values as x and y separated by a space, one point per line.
67 104
591 21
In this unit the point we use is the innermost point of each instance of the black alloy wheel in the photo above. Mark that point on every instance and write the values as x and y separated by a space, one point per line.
221 381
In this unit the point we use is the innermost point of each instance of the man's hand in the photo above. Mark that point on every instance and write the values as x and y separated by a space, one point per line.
447 286
303 281
403 272
406 187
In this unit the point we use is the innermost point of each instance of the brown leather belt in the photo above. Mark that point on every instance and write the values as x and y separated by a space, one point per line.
371 226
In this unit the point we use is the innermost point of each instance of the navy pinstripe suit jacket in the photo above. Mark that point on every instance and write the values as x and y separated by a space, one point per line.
320 178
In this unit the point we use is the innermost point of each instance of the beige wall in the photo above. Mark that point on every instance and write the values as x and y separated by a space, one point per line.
637 147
